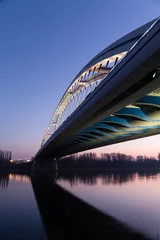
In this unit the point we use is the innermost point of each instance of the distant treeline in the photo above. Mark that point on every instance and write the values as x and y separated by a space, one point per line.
107 160
5 156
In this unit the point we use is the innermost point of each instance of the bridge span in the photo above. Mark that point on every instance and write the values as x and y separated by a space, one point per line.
114 98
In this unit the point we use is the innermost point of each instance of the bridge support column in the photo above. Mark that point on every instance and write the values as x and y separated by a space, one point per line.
49 165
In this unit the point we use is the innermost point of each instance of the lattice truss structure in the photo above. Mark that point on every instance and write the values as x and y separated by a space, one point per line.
78 91
85 83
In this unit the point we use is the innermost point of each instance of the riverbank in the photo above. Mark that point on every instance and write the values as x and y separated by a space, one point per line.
16 167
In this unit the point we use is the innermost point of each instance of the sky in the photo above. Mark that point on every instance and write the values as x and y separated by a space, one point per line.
43 45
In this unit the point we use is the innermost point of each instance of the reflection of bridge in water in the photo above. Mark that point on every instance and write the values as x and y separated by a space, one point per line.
114 98
66 217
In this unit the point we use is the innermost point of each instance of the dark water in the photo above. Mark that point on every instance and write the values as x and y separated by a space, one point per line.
25 204
19 215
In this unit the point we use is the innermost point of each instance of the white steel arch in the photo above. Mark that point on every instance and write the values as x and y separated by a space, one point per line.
78 90
90 77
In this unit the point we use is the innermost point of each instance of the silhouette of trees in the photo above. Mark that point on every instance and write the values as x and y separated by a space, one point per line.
107 160
5 156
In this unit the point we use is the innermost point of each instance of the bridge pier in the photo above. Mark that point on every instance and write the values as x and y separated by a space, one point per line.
49 165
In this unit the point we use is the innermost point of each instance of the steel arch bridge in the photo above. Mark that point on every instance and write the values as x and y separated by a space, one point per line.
114 98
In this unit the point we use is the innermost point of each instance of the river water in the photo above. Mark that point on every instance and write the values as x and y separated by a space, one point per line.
133 198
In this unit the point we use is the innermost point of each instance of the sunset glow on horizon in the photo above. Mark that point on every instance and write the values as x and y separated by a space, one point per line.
43 47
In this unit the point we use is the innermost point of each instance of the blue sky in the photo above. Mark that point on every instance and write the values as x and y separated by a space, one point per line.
43 45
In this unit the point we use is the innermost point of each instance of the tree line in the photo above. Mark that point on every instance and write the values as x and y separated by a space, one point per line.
5 156
107 160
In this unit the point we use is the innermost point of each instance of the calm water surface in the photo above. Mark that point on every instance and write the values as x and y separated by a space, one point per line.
132 198
19 215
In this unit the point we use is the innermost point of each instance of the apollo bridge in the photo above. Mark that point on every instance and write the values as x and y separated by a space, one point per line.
114 98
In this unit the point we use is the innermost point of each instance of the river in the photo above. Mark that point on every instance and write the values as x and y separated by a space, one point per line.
130 197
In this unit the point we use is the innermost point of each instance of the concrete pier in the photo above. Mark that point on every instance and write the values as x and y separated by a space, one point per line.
50 165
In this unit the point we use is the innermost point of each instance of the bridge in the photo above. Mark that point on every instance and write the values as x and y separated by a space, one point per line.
114 98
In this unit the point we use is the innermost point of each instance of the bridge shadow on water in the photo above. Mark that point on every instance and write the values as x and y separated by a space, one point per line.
66 217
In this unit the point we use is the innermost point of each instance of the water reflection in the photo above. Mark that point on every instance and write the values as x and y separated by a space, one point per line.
149 175
130 196
66 217
106 178
19 215
63 215
5 177
4 180
19 178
